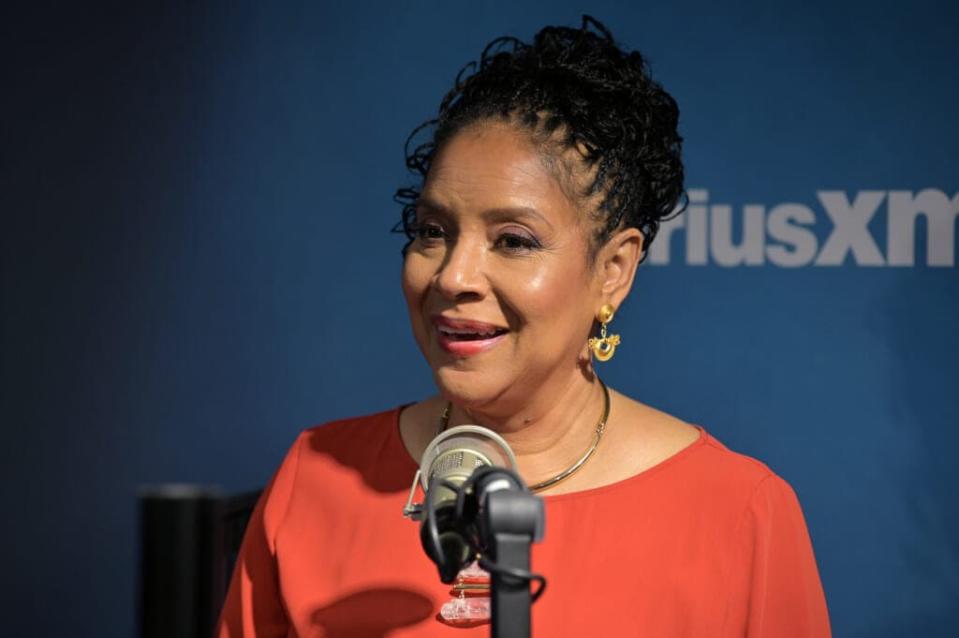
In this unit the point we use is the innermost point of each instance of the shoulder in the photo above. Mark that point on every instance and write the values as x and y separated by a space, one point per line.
355 442
346 441
730 467
746 487
712 478
742 477
346 432
685 453
362 452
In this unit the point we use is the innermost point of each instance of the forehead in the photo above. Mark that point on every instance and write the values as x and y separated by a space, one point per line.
495 166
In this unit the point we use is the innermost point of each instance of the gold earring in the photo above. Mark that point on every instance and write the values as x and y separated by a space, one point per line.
605 346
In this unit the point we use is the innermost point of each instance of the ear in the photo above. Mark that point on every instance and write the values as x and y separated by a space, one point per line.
616 265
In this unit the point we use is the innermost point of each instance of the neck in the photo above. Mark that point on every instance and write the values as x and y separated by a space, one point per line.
548 430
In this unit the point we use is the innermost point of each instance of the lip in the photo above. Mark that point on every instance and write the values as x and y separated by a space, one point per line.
466 348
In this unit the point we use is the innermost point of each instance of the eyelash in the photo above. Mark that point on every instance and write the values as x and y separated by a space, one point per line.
525 243
420 230
520 243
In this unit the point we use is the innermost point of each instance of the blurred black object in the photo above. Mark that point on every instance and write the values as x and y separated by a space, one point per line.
189 539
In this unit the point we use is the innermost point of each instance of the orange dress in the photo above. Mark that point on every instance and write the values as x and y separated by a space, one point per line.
706 543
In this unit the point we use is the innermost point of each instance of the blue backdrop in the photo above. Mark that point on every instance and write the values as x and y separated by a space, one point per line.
196 264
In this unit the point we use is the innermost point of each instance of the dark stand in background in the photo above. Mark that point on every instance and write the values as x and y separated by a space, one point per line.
189 540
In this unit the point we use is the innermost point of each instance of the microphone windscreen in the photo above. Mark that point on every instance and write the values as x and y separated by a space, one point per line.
454 454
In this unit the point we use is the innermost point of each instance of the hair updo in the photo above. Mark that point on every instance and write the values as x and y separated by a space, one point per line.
578 89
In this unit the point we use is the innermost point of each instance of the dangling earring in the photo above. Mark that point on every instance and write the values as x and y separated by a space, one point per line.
605 346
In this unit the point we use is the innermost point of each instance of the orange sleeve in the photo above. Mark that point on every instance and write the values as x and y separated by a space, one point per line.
785 597
254 605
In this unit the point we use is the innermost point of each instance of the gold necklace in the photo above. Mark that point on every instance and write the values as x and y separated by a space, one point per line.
572 469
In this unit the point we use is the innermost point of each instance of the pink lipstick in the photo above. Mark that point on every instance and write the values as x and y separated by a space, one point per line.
464 337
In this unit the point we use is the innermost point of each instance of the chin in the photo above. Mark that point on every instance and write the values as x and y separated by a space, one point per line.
467 388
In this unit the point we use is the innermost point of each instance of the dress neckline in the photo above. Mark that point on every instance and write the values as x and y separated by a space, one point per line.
624 483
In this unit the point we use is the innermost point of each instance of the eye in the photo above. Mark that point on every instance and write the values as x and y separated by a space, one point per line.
429 232
515 242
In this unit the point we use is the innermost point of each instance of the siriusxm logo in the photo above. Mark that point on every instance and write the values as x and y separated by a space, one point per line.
784 235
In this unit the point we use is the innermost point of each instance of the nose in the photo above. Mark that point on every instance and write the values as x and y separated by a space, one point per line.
461 275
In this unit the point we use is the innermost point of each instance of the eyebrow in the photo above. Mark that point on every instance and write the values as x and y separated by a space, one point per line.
499 214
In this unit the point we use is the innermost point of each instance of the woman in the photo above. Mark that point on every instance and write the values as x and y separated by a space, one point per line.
549 170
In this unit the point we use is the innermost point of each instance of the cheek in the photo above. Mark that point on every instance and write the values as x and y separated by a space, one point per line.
414 280
551 295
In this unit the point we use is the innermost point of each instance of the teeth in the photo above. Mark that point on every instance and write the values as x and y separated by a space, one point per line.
463 331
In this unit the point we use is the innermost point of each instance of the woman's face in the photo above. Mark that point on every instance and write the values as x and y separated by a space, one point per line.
498 283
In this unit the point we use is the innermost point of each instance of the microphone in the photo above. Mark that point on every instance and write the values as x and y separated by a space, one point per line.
449 464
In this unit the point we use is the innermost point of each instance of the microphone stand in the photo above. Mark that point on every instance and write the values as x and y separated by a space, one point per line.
511 521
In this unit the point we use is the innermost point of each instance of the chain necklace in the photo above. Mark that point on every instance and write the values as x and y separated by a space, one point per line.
572 469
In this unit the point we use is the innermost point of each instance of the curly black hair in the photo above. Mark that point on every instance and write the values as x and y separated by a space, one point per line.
578 89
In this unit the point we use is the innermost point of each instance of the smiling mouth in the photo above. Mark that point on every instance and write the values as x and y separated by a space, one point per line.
462 337
459 334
